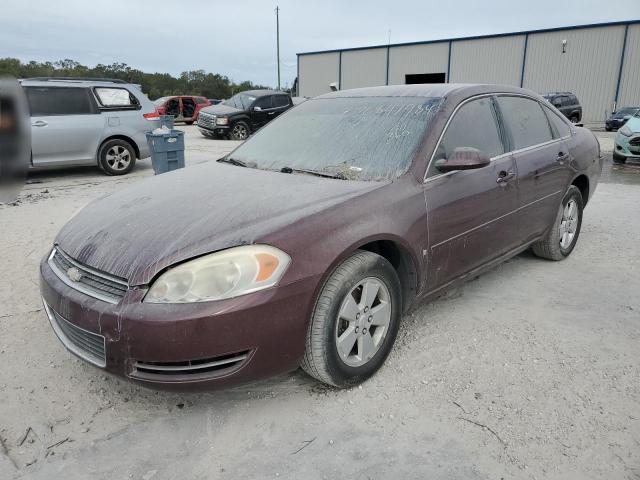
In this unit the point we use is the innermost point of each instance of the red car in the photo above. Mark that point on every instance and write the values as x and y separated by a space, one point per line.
185 108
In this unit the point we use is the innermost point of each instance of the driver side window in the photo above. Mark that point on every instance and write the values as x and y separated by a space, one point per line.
473 125
263 102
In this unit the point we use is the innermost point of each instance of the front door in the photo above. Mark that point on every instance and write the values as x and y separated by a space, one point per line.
66 125
261 111
471 214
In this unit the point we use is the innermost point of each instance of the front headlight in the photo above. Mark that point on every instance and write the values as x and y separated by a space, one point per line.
626 131
226 274
222 121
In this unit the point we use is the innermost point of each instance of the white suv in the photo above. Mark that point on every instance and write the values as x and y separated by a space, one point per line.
88 122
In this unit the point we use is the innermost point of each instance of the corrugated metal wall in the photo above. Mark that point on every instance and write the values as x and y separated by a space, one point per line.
630 82
589 68
428 58
364 68
487 60
317 72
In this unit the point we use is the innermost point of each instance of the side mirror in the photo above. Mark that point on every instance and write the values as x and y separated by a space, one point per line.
257 109
626 117
463 158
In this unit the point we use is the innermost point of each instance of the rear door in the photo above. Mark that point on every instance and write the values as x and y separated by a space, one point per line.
66 125
542 158
281 103
471 214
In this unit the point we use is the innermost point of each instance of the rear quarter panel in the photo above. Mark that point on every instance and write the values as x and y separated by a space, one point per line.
586 157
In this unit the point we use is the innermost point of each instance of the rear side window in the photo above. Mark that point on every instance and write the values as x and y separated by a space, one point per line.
264 102
47 101
280 101
559 126
473 125
115 97
525 120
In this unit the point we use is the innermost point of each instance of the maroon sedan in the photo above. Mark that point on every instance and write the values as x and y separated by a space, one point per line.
306 244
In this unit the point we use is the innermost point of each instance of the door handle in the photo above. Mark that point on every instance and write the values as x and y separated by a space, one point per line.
271 113
39 123
562 157
504 178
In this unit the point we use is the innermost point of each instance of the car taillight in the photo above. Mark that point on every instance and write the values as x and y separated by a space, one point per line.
151 116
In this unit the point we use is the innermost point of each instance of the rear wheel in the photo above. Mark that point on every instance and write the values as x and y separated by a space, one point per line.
240 131
563 235
354 322
116 157
574 119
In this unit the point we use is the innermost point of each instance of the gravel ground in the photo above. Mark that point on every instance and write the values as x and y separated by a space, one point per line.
530 371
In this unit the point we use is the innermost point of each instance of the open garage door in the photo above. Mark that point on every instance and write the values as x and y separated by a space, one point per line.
414 78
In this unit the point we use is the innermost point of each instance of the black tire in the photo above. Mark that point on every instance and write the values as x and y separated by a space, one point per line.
321 359
190 122
574 119
608 129
239 131
113 167
619 159
550 247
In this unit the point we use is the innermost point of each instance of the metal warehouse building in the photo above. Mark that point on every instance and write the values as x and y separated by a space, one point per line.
600 63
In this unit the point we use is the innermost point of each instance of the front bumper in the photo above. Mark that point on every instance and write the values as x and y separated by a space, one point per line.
183 346
624 148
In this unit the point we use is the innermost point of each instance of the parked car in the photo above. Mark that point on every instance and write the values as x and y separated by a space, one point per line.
243 114
619 117
87 122
567 103
350 208
627 143
184 108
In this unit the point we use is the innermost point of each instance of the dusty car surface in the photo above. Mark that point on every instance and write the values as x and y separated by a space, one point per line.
306 244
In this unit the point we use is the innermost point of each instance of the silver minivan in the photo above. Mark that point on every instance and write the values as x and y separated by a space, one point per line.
87 122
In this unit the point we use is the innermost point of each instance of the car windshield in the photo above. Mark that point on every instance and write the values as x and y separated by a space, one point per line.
627 111
241 101
356 138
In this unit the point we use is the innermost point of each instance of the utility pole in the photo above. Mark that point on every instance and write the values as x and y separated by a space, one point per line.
278 41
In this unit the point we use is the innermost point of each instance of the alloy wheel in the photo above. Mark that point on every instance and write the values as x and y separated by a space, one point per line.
118 157
240 132
363 322
568 224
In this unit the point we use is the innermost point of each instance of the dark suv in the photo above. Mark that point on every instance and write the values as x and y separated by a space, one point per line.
242 114
567 103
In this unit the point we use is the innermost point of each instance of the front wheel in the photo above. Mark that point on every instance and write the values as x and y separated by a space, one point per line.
619 159
240 131
563 235
354 322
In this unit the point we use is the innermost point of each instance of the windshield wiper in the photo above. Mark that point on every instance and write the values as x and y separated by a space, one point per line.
338 176
233 161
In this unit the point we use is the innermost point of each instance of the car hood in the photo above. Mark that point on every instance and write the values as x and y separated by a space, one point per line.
633 124
142 229
220 110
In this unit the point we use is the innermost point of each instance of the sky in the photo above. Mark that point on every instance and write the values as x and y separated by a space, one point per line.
238 38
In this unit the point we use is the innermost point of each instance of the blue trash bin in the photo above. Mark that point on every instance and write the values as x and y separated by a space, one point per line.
167 121
167 150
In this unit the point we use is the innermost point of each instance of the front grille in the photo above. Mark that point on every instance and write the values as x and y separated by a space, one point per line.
635 141
207 121
85 344
191 369
85 279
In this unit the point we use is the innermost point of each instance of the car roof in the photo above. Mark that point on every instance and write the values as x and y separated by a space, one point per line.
429 90
67 82
261 93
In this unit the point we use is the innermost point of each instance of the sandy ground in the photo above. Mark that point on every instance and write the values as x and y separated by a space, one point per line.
530 371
